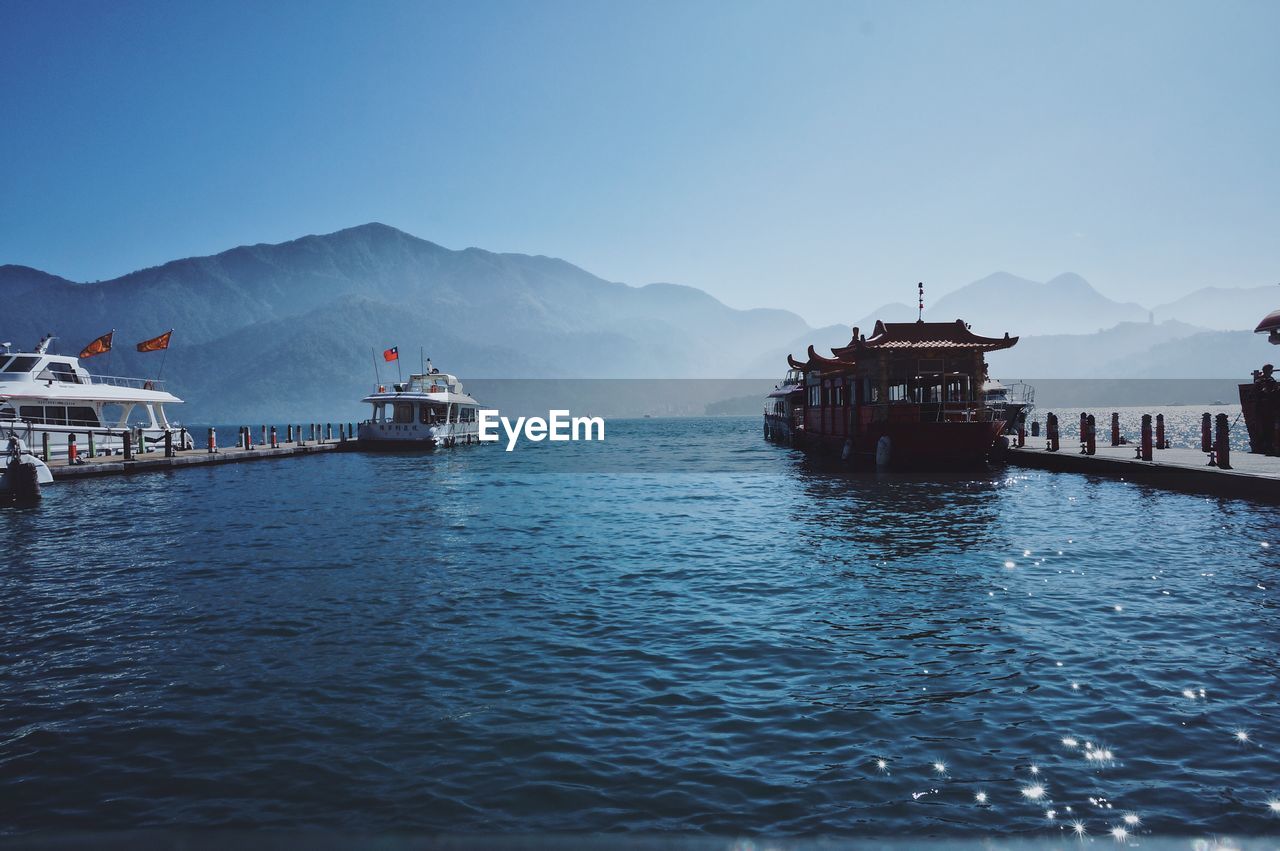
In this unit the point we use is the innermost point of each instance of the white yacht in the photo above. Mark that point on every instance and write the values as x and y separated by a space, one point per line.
429 410
47 394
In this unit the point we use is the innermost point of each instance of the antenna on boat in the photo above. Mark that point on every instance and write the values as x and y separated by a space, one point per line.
377 377
920 317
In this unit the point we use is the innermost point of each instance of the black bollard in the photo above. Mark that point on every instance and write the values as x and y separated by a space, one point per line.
1035 428
128 445
1144 449
1206 433
168 443
1091 427
1222 445
1161 442
1115 428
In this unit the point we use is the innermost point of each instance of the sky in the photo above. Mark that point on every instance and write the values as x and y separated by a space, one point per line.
821 157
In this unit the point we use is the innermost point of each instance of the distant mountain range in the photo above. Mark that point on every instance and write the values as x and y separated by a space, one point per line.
289 330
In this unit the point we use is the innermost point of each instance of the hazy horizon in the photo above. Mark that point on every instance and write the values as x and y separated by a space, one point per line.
819 158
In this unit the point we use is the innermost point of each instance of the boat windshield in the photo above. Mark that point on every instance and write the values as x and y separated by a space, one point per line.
20 364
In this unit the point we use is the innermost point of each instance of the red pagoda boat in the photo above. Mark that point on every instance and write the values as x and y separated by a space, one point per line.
910 395
1260 398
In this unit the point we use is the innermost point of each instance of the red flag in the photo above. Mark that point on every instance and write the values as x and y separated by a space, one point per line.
98 346
155 344
391 354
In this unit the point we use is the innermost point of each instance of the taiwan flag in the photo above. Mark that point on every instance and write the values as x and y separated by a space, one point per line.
391 354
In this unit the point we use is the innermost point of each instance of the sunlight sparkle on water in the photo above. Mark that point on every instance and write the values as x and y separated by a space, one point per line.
1241 735
940 767
1119 833
980 797
1078 828
1034 792
1069 741
1274 806
1132 819
882 765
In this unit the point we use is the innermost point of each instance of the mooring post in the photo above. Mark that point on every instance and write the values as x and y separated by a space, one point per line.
300 441
213 440
168 443
240 438
275 442
1223 443
1206 433
142 441
1161 443
1115 428
1084 434
127 437
1035 428
1144 451
288 434
1092 427
92 449
264 436
72 454
182 438
1022 435
44 448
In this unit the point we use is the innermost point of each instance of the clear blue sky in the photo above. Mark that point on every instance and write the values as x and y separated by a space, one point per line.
817 156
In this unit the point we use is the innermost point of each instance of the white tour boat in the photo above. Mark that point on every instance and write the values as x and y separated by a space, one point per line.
47 394
429 410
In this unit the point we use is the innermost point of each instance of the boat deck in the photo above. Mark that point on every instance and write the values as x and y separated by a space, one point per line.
1251 476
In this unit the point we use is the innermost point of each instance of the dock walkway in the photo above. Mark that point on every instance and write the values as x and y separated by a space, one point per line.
1251 476
114 465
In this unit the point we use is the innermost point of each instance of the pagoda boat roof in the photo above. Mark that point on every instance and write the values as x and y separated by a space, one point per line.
922 335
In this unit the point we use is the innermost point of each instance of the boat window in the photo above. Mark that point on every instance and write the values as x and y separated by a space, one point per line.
59 371
82 416
898 392
32 413
21 364
404 412
55 415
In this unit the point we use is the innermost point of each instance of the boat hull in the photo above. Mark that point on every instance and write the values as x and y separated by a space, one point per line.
1261 411
914 446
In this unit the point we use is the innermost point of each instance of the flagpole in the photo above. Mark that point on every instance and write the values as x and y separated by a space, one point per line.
377 378
399 376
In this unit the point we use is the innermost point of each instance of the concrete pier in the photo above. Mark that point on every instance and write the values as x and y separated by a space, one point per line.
115 465
1250 477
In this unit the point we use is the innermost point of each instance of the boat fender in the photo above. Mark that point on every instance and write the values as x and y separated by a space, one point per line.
884 452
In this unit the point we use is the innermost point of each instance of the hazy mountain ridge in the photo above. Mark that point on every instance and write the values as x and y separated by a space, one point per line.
287 330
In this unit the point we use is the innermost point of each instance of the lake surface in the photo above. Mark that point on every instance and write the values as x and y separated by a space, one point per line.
681 629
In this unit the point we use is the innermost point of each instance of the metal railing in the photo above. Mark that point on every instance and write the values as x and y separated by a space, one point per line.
134 383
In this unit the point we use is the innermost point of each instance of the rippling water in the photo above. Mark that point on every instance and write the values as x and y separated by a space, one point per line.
474 641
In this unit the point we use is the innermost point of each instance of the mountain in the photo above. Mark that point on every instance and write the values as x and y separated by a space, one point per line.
1223 308
289 328
1110 353
289 331
1004 302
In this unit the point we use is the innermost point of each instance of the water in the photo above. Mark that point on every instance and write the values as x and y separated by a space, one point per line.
478 641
